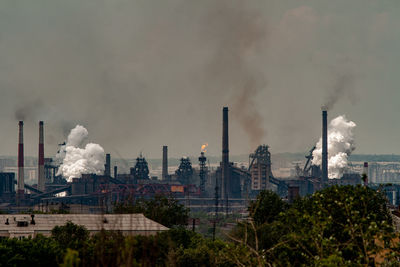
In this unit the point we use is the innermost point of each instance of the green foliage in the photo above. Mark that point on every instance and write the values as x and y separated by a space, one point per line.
164 210
71 258
339 225
70 235
266 208
39 251
206 223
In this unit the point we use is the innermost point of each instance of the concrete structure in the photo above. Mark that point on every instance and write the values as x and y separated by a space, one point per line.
260 177
24 225
50 170
107 166
41 179
324 165
21 187
365 172
7 187
260 168
165 164
225 156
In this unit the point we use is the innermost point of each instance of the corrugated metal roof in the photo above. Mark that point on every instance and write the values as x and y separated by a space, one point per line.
92 222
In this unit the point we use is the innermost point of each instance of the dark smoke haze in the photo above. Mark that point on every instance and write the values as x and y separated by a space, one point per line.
239 36
142 74
343 87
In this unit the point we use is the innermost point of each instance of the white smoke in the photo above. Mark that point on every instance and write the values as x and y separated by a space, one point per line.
77 161
340 145
75 139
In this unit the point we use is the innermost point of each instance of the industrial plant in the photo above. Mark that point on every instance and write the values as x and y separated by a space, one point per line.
94 188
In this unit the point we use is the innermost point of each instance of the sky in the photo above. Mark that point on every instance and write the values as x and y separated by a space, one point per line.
141 74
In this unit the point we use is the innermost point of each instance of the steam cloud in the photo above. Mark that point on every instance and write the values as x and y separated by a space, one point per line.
340 145
77 161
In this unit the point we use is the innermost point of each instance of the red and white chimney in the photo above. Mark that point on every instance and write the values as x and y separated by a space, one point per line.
20 184
41 185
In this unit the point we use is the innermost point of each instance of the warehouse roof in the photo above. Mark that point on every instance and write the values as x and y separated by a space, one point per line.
44 223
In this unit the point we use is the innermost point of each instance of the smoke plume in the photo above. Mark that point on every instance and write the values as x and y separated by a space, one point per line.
173 64
77 161
340 145
240 34
246 113
343 85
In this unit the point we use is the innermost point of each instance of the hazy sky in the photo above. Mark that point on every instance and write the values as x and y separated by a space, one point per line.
141 74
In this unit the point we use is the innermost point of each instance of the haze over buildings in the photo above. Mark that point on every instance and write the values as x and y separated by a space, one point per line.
141 74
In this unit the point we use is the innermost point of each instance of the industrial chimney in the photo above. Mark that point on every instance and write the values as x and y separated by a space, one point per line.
115 172
20 185
41 181
165 163
324 147
225 154
365 174
107 169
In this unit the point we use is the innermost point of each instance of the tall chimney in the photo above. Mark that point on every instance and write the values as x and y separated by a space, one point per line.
20 185
107 171
115 172
41 185
365 173
225 154
165 163
324 147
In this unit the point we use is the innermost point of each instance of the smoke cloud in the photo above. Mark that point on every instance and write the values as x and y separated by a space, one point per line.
340 145
343 86
77 161
242 33
144 74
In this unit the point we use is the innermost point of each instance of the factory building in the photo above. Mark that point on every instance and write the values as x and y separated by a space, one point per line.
7 187
184 173
23 225
224 185
141 169
260 168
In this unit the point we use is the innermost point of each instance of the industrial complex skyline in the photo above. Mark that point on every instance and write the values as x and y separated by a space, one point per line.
139 75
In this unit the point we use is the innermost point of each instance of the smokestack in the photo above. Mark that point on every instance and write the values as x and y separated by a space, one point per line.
165 163
107 169
324 146
41 185
365 173
21 186
115 172
225 154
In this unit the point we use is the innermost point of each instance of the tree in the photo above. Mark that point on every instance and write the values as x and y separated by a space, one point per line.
71 258
38 251
266 207
337 224
70 235
166 211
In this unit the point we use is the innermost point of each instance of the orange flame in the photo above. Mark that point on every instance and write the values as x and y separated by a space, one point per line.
204 147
